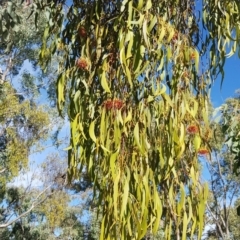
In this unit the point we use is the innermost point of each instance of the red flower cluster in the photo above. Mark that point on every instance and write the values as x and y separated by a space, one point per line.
112 58
82 32
175 36
192 56
113 104
203 151
192 129
82 63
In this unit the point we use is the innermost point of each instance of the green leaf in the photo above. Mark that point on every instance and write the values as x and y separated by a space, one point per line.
104 83
130 37
167 98
91 131
192 175
129 77
152 24
129 225
149 4
136 136
76 100
205 192
113 159
201 212
196 54
181 203
102 236
74 131
158 211
140 4
138 60
61 91
103 126
150 99
115 195
125 193
185 223
182 135
194 224
128 117
197 142
190 213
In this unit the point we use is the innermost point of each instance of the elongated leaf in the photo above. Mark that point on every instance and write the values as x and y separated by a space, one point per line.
115 195
102 236
91 131
182 199
113 158
104 83
145 33
185 223
197 142
125 194
61 91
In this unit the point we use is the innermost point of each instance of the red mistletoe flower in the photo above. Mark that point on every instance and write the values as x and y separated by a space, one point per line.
82 63
192 56
175 36
108 104
192 129
82 32
117 104
113 104
203 151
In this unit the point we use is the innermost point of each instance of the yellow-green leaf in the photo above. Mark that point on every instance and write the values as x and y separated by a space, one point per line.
125 194
185 223
91 131
115 195
112 163
182 199
197 142
102 236
104 83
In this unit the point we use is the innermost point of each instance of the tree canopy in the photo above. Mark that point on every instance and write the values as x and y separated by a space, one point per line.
135 77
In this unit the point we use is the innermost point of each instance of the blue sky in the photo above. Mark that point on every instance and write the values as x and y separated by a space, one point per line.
230 84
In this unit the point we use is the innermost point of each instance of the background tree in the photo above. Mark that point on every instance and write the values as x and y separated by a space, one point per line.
47 210
33 212
26 211
231 128
224 185
224 188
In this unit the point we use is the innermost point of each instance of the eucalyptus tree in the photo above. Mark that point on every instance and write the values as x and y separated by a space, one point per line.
135 76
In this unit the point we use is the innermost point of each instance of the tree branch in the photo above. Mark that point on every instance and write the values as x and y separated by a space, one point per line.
34 204
3 170
216 220
7 70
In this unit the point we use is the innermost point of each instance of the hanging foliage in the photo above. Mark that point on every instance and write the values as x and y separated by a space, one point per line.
138 105
221 20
